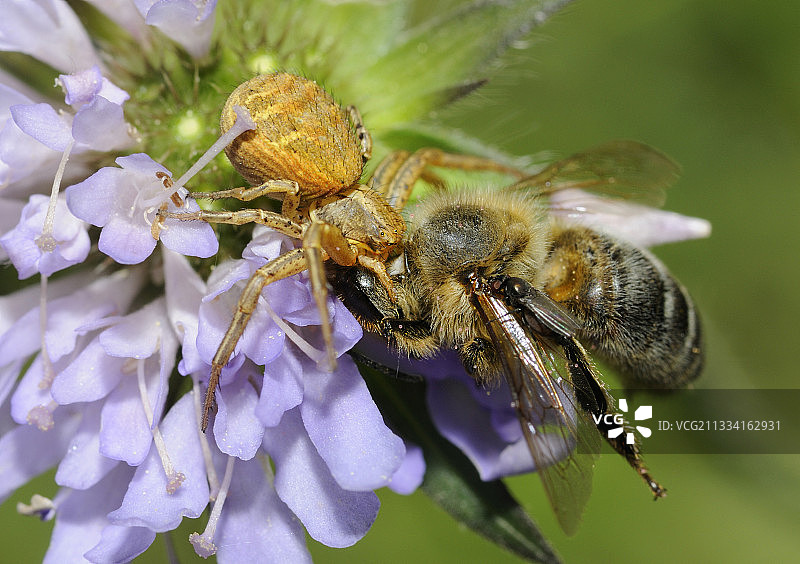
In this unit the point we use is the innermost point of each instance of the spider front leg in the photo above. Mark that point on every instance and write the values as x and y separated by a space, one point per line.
241 217
323 240
287 264
289 188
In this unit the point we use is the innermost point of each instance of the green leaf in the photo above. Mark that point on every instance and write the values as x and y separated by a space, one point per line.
450 479
435 60
414 135
330 42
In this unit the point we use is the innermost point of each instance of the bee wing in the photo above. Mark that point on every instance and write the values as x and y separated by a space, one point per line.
561 438
621 169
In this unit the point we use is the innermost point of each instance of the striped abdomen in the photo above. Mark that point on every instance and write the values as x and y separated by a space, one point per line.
634 313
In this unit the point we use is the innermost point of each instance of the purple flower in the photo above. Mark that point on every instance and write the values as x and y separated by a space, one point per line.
641 225
481 422
49 31
25 163
124 202
36 140
323 431
188 22
87 366
98 123
91 360
30 254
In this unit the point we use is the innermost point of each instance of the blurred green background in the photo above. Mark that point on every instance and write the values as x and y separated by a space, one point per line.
716 85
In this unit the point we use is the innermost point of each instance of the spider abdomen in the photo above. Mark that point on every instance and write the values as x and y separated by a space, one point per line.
302 135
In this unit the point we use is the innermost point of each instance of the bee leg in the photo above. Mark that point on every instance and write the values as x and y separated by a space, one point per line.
593 397
411 336
632 454
478 357
323 240
281 267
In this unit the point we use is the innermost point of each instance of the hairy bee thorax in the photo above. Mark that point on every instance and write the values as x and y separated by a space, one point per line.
458 235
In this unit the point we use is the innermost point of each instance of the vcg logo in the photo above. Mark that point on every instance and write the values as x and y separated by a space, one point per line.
642 413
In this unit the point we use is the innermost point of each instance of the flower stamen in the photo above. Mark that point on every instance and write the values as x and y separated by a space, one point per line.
204 543
317 355
48 373
174 479
46 242
40 506
42 416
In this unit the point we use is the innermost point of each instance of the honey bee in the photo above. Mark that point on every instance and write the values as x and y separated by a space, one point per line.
310 152
521 293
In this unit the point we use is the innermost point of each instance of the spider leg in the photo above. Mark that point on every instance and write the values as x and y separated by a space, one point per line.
247 193
377 267
361 132
323 240
381 179
386 170
271 219
396 180
285 265
289 188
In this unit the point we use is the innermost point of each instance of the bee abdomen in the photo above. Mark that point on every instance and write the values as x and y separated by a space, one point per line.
634 313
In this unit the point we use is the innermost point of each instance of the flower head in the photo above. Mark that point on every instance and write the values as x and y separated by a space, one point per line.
103 364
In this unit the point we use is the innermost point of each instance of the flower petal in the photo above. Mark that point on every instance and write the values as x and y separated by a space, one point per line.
331 515
183 21
468 426
125 14
83 466
641 225
81 517
41 122
49 31
90 377
282 389
138 334
93 200
23 242
26 452
255 525
120 544
29 395
184 290
347 428
101 126
81 87
147 502
411 472
126 240
237 430
125 431
191 238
